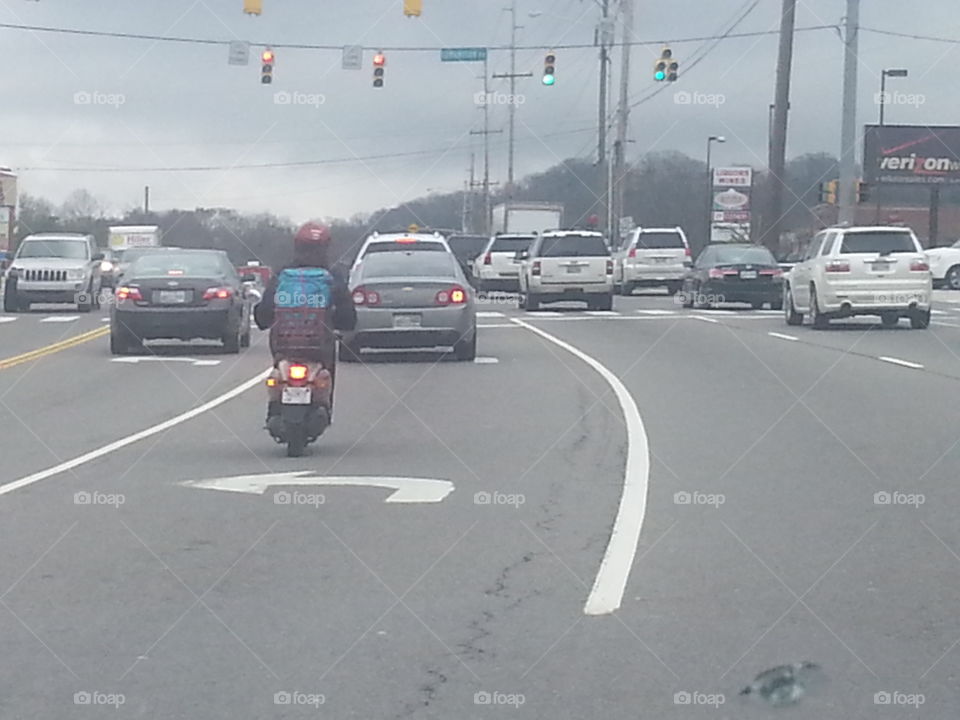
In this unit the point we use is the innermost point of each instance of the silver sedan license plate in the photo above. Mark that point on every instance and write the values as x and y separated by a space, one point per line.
296 396
406 321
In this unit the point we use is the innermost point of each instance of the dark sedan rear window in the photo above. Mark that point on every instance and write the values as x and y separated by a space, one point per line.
412 263
574 246
877 242
659 240
743 255
173 263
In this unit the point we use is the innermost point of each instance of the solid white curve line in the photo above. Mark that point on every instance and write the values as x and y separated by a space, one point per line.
136 437
901 363
611 581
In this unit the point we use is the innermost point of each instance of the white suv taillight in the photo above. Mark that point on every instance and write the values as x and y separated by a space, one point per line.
535 270
837 266
919 266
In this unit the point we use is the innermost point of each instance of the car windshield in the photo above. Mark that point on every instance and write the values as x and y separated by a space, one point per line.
878 242
574 246
659 240
742 255
511 244
66 249
410 263
198 264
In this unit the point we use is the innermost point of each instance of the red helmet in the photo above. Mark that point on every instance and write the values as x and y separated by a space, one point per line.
312 234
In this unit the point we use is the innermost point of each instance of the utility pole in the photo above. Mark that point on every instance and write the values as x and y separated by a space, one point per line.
146 200
848 139
781 106
486 132
602 171
623 118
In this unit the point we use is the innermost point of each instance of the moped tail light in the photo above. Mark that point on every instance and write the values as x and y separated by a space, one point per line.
297 372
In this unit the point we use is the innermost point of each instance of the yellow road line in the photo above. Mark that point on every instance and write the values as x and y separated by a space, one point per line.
54 348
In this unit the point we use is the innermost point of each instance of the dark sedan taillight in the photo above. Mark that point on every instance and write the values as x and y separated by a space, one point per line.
128 293
218 293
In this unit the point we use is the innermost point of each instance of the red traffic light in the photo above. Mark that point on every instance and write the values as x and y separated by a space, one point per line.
267 57
379 60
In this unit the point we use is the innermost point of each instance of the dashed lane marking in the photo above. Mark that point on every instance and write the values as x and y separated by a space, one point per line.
901 363
489 314
60 318
782 336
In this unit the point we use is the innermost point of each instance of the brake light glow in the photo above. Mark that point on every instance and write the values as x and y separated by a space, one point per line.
454 296
837 266
128 293
632 253
686 251
217 293
297 372
609 267
488 259
535 270
406 240
175 272
362 296
919 266
715 273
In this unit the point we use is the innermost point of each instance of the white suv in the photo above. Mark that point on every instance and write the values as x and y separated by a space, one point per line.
860 271
386 242
497 267
563 265
652 257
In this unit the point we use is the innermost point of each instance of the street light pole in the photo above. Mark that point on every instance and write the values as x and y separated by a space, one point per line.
710 140
895 72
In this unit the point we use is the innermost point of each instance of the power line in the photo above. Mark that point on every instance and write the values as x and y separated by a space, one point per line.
911 36
388 48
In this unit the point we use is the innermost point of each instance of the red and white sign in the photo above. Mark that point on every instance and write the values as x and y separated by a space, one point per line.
733 177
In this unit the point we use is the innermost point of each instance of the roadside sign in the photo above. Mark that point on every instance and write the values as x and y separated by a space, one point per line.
239 53
463 54
352 57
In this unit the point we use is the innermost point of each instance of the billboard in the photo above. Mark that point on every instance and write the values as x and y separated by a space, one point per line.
911 154
730 203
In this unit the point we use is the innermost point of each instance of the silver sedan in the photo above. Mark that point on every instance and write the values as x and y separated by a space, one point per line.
412 299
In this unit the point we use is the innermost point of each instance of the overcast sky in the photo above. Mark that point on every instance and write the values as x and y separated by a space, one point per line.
160 104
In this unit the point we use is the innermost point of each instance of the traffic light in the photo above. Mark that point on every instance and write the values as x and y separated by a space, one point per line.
253 7
379 61
266 72
666 68
828 192
550 68
412 8
863 191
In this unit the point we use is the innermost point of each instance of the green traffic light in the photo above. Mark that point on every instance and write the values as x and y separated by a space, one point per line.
549 79
660 75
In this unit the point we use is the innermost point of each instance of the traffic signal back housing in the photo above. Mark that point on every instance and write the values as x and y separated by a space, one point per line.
828 192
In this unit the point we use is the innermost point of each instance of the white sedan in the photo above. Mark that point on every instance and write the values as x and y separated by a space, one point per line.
945 266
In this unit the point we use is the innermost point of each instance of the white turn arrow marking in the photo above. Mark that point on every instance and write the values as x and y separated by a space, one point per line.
406 490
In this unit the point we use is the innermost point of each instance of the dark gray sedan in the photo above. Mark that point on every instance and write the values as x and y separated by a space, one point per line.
412 300
182 295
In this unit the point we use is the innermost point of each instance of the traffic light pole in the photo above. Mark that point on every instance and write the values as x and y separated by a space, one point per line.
623 117
778 144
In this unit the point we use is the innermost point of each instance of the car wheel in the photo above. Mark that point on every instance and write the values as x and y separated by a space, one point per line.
245 339
889 319
920 320
686 298
466 349
231 340
522 301
673 288
698 300
349 352
777 304
296 440
532 302
606 303
85 301
820 321
756 305
952 278
790 313
122 341
626 289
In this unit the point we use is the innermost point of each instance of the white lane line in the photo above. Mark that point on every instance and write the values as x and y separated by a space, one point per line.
105 320
901 363
656 312
544 313
718 312
61 318
704 319
602 313
943 324
938 312
782 336
136 437
486 360
497 325
770 312
8 319
489 313
611 580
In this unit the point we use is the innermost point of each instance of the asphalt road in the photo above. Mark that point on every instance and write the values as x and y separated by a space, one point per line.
764 540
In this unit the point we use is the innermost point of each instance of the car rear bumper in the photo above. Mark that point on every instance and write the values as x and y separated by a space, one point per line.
743 292
572 289
377 327
652 275
864 299
506 284
176 324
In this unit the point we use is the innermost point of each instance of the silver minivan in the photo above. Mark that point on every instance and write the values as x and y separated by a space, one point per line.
652 257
